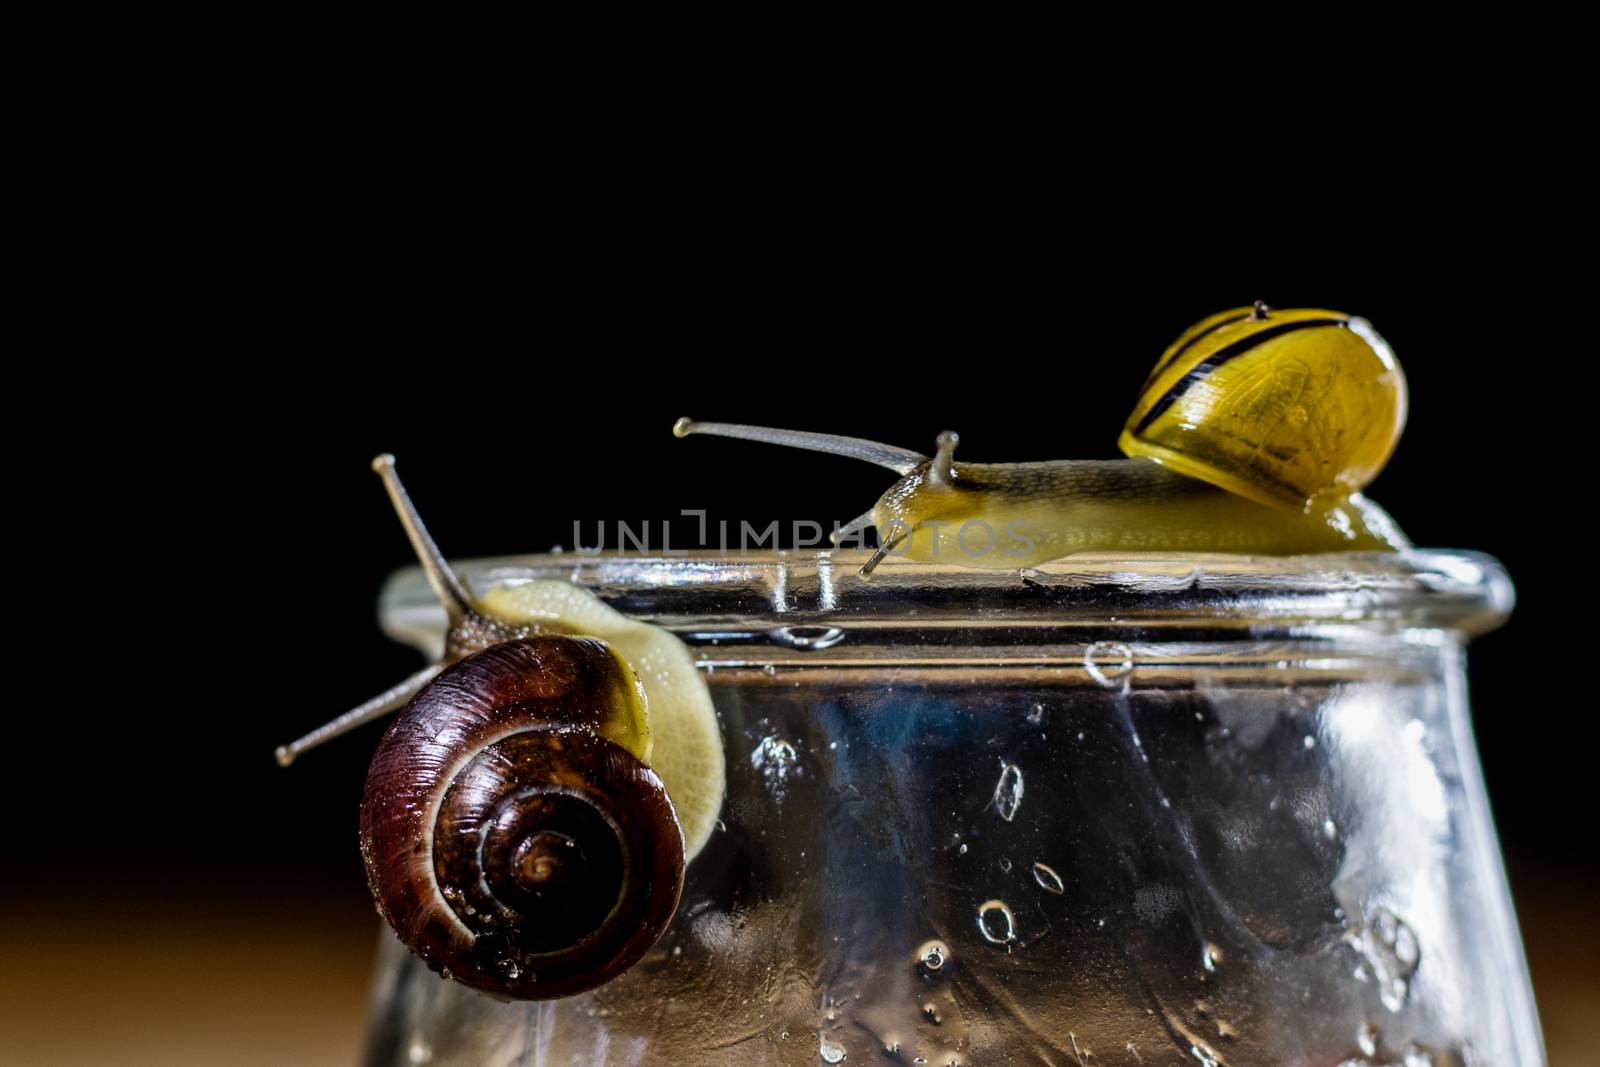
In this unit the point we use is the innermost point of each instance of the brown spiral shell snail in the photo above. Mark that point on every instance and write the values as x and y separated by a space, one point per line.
506 839
513 829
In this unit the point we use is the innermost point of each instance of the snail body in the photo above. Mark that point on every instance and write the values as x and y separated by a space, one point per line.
1254 433
1024 514
685 740
522 824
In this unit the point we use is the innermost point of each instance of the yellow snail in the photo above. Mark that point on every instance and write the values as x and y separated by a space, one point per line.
527 817
1254 433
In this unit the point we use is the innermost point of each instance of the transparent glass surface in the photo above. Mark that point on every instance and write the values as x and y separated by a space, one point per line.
1164 810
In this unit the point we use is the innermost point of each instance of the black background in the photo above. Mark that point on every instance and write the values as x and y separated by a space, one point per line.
213 541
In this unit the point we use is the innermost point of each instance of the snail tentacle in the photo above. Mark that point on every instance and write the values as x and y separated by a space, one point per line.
854 526
389 700
900 460
449 588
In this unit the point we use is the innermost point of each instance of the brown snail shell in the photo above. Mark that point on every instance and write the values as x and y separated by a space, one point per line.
509 843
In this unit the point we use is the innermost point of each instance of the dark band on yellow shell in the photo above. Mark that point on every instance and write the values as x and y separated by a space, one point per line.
1196 335
508 843
1210 363
1284 406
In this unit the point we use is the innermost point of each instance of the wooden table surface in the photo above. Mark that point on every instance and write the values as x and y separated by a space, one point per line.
270 973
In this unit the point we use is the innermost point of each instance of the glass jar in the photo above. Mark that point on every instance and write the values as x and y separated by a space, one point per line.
1147 810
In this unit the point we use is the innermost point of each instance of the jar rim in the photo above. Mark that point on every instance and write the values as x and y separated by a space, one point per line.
1465 592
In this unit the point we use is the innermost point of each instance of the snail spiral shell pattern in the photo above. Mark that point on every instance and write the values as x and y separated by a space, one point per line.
512 833
1278 406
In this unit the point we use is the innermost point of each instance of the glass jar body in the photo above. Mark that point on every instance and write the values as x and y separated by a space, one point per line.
1116 822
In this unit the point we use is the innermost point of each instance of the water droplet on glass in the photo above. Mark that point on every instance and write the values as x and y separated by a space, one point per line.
1205 1054
773 751
1005 865
932 955
1309 742
509 969
1036 714
1048 879
996 922
1392 953
933 1014
1211 956
1008 791
962 851
419 1051
1109 663
769 670
1330 830
776 759
831 1053
1367 1039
